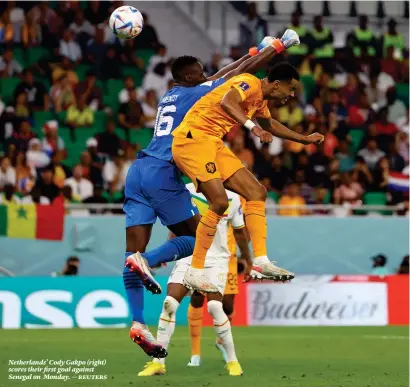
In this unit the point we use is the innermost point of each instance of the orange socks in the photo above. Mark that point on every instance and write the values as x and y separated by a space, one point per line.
204 237
255 219
195 326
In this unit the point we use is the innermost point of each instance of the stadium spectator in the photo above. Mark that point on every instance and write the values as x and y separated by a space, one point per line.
362 40
25 175
79 116
97 198
129 56
318 168
97 50
379 265
391 66
371 154
392 38
130 114
61 171
150 108
31 35
396 108
292 198
81 27
52 142
37 96
361 174
36 158
19 140
22 108
396 161
320 198
91 170
159 57
345 156
8 195
97 160
66 11
62 95
67 193
91 93
65 67
9 67
361 113
349 190
71 267
7 173
350 91
108 141
6 28
305 189
291 114
96 12
297 54
69 48
402 146
404 266
242 153
279 174
110 68
320 40
129 86
254 28
148 37
16 14
115 172
45 185
81 187
157 80
43 15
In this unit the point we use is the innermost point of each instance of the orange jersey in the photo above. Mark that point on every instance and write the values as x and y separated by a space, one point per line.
206 116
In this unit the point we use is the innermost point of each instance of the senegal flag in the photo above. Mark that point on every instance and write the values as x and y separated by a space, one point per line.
32 221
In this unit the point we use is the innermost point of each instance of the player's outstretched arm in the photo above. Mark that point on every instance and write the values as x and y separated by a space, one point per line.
261 55
281 131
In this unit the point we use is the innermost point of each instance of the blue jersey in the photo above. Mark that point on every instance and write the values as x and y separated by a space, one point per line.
172 109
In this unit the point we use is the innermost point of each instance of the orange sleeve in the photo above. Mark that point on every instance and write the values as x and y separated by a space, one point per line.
263 111
248 86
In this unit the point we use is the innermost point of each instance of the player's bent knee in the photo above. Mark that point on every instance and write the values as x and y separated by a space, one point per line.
219 205
170 307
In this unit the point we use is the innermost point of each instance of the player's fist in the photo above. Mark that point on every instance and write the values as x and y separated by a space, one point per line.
266 42
290 38
263 135
315 138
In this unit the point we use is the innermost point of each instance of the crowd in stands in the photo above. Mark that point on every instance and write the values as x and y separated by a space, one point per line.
77 104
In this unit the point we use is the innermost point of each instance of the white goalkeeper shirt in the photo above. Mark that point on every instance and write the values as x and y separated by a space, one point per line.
233 215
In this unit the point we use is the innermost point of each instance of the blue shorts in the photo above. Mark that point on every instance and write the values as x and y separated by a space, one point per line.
154 188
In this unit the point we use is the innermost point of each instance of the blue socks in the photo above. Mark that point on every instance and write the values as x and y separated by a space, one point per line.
171 250
135 293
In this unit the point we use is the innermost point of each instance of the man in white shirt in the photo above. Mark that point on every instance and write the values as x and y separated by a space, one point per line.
160 56
69 48
115 172
80 25
371 154
129 86
7 173
81 188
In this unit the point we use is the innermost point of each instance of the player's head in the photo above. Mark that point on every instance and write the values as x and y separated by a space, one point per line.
282 83
187 71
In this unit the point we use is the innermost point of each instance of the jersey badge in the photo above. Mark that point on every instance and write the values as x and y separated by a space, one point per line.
210 167
244 86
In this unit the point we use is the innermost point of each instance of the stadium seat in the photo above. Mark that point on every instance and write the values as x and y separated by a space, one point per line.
82 70
19 56
134 72
309 86
61 117
7 87
274 196
403 92
120 132
100 119
35 54
40 118
357 137
111 100
376 199
114 86
142 136
145 55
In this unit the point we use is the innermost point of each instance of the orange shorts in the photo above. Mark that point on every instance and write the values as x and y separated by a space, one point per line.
231 286
204 158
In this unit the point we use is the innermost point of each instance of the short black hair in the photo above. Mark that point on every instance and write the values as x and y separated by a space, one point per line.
283 71
179 65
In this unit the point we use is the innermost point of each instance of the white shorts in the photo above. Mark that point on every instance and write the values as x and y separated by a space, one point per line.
217 273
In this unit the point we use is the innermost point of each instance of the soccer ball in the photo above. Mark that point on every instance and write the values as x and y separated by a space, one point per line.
126 22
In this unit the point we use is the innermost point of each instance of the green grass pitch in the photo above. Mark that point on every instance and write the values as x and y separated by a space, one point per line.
270 357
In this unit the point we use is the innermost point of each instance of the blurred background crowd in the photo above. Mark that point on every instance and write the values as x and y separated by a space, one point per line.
77 105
